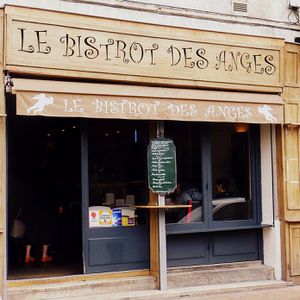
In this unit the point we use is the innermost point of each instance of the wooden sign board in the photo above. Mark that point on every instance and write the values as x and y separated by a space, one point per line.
67 45
161 154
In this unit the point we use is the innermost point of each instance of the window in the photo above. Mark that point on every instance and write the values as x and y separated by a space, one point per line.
187 139
218 174
230 165
117 172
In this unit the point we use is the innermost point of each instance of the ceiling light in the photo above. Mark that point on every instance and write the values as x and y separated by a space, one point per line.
241 127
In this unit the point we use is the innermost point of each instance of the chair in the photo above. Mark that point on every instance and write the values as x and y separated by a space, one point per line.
231 211
193 215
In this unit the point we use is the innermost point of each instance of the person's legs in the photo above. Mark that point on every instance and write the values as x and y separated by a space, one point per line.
45 250
45 256
28 251
46 234
28 257
29 241
30 237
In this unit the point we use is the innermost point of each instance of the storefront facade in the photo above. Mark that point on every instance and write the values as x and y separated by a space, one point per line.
114 86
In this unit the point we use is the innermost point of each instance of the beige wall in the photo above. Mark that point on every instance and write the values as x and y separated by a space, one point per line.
265 10
267 18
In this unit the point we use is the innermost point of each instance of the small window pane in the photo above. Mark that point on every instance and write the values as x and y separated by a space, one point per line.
187 140
232 199
117 172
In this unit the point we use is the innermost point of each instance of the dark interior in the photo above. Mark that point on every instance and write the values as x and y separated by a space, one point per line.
44 165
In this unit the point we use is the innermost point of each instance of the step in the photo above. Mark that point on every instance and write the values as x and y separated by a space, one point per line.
195 292
218 274
80 288
178 278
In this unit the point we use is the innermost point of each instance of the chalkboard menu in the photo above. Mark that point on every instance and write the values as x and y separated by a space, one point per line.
161 154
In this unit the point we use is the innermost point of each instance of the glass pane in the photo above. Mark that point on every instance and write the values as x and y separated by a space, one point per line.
232 199
117 172
187 139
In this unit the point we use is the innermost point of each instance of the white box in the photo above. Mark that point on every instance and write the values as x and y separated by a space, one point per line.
100 216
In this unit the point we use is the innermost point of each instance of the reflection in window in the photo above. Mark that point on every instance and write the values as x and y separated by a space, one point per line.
187 139
117 172
231 172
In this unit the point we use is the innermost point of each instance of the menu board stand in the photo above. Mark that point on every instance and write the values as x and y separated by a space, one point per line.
162 180
161 158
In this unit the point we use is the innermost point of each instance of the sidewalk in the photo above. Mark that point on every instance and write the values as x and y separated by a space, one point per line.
288 293
246 291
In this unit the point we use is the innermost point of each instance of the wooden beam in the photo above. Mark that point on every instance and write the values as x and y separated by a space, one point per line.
77 278
280 171
167 82
154 231
154 237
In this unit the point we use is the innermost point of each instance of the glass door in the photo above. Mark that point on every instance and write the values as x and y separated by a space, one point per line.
116 234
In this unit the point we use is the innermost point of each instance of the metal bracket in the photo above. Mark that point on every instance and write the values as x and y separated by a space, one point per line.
8 83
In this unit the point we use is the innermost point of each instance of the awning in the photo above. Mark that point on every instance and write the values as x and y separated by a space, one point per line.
112 101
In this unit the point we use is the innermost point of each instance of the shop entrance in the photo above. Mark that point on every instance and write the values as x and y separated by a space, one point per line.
116 234
60 170
68 176
44 191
